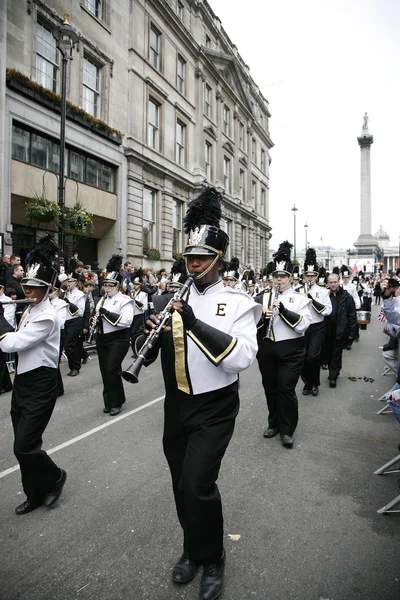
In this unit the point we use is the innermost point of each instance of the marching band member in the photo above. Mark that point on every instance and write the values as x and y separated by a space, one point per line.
212 337
280 336
114 315
76 301
178 276
314 337
62 308
140 304
34 394
251 286
266 277
351 288
296 283
230 275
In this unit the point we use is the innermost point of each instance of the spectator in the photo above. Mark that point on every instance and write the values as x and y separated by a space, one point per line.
377 293
14 260
4 265
15 281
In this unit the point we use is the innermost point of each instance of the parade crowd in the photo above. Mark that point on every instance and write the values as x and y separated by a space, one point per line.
209 319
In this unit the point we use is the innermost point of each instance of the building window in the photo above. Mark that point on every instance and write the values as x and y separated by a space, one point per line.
262 160
226 225
253 150
180 75
241 184
149 221
176 226
207 101
155 39
91 88
243 244
93 6
207 158
180 143
154 125
227 166
46 57
208 41
241 136
43 152
226 119
253 194
179 9
262 207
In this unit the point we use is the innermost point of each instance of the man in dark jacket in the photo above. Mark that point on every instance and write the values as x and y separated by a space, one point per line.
341 327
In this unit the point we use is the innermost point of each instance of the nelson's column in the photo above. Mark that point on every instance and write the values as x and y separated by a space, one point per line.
366 243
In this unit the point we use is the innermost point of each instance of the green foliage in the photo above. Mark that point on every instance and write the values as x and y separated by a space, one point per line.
78 221
41 210
151 253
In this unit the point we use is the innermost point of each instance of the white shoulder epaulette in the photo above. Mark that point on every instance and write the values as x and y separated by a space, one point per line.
236 291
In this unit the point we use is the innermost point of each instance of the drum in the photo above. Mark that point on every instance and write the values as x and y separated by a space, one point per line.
363 318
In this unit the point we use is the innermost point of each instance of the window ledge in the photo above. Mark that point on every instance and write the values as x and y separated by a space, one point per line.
83 7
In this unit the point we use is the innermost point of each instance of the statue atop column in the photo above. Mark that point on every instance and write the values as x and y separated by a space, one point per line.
365 123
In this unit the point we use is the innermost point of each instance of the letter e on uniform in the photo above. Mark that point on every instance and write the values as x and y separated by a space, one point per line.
220 310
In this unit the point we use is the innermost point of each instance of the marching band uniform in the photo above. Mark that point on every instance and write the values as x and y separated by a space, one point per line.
140 305
62 308
7 312
76 301
280 357
34 395
351 288
212 339
314 337
230 275
115 315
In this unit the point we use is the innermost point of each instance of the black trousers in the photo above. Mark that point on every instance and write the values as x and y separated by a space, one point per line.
5 379
111 350
72 343
280 365
333 350
197 431
138 321
32 403
313 342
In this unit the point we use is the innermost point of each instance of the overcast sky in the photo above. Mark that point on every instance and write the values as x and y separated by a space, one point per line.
322 64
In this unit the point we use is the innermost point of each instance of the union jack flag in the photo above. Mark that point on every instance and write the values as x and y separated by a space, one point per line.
381 316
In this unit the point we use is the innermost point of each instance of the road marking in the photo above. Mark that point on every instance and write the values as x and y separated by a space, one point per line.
88 433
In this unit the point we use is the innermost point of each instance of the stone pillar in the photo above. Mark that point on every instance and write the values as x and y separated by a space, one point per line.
366 241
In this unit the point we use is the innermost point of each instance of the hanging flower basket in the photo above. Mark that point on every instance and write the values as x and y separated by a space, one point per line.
41 210
78 221
151 253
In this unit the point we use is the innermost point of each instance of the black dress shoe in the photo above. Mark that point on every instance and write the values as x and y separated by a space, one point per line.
184 570
115 411
332 383
73 373
314 390
52 497
106 410
212 579
27 507
306 391
324 367
287 440
270 432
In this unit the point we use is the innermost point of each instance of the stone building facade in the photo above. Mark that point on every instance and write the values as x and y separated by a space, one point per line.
165 75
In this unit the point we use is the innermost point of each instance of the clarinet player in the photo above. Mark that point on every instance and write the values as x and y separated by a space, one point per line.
280 336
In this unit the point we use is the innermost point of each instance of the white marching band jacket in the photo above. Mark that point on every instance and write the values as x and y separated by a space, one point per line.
351 288
321 306
296 323
120 308
140 303
221 344
37 338
76 304
62 310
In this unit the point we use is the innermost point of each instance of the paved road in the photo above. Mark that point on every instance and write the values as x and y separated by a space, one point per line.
306 517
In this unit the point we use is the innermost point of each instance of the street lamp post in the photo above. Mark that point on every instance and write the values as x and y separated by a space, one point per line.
294 210
305 230
66 38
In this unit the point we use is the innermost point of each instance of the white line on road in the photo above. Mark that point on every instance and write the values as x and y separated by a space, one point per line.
88 433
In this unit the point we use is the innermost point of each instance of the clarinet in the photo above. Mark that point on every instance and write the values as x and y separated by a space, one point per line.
268 335
95 322
132 372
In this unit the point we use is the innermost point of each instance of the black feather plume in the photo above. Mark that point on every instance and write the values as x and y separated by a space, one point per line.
233 264
204 210
283 252
115 263
45 252
266 272
311 258
179 266
344 268
336 271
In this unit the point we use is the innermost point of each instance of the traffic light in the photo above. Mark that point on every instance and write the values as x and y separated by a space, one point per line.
381 266
364 268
